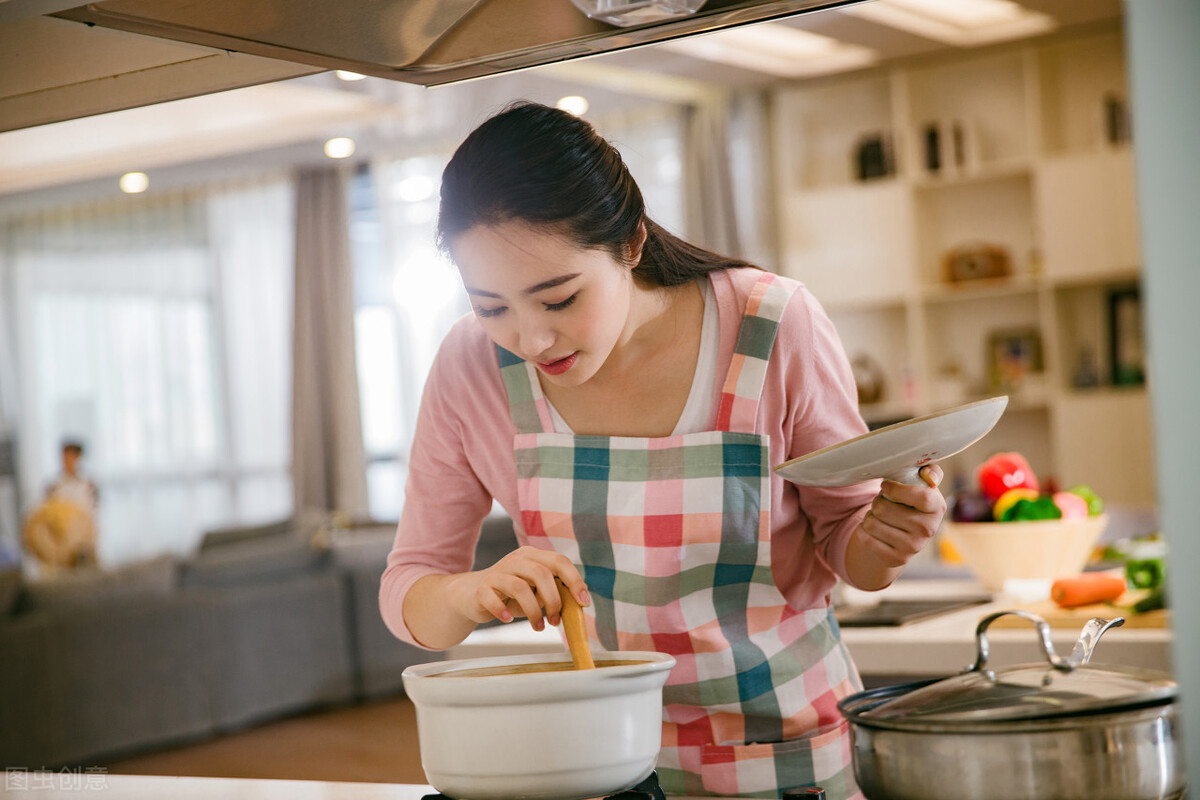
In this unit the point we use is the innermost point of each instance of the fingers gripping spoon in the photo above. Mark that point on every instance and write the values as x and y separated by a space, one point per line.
573 624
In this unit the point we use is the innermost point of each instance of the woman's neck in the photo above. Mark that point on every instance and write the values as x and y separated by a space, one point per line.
660 318
643 386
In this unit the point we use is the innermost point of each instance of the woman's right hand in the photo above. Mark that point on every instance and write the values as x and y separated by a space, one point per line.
519 585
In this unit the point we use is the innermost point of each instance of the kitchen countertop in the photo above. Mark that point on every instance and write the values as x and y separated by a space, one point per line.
74 785
936 646
945 644
20 785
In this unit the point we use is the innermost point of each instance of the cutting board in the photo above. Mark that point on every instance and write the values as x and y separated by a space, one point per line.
1076 618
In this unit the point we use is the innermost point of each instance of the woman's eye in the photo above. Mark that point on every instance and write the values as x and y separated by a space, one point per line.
562 305
488 312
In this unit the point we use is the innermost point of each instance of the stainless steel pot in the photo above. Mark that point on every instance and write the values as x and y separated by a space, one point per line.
539 735
1063 730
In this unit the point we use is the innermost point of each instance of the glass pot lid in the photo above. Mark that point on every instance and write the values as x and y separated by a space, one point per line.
1027 692
1062 687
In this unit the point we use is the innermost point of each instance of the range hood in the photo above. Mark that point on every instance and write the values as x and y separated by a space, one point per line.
426 42
130 53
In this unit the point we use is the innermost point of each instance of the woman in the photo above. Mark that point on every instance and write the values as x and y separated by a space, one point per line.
623 395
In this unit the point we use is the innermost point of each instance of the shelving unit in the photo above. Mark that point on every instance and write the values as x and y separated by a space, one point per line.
1031 157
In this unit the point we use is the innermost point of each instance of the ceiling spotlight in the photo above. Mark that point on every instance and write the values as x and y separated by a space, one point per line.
573 104
134 182
339 147
347 75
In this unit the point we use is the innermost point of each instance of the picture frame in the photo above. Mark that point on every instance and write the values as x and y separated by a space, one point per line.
1014 357
975 261
1126 345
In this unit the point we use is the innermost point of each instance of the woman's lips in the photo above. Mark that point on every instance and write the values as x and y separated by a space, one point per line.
560 366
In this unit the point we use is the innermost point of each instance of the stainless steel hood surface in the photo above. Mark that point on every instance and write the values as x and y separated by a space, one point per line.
425 42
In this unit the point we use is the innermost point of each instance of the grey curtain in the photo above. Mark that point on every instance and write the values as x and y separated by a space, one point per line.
754 178
9 501
710 209
328 459
8 364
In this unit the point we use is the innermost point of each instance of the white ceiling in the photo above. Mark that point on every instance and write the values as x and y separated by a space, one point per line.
890 43
292 117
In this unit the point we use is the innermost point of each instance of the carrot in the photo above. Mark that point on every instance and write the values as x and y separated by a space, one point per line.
1085 589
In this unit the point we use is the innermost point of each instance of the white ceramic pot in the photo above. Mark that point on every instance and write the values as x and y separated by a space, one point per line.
563 735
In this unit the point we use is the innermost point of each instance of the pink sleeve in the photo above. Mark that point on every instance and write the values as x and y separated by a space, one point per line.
810 395
445 500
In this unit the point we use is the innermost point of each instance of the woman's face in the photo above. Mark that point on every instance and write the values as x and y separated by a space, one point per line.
542 297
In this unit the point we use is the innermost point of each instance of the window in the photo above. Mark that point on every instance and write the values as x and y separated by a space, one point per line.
407 295
156 329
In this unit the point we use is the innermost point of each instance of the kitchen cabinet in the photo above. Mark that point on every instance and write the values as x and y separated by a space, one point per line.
1016 158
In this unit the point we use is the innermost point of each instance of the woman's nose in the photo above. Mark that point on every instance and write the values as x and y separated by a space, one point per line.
535 338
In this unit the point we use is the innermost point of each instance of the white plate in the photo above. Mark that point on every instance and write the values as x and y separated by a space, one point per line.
898 451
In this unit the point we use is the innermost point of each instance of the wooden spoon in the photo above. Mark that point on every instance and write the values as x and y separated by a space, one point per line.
572 620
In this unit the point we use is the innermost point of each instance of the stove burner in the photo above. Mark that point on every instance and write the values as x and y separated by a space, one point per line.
646 790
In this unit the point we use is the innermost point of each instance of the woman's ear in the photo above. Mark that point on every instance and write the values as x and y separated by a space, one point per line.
633 249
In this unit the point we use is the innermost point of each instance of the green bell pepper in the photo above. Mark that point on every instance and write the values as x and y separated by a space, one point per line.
1041 507
1145 573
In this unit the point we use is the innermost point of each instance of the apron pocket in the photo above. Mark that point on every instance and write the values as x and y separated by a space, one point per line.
821 758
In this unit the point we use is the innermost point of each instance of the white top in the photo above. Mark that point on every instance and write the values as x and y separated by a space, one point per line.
74 489
698 411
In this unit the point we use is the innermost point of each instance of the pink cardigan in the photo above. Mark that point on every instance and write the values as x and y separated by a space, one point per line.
462 453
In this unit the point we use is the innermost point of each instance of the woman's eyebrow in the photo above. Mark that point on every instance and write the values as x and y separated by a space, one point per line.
550 284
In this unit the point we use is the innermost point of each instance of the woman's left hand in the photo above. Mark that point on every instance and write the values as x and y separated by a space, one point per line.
902 520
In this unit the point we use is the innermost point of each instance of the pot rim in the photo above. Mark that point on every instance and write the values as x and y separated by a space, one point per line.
855 707
565 686
649 662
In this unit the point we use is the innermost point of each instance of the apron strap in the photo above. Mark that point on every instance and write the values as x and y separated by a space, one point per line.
738 409
526 403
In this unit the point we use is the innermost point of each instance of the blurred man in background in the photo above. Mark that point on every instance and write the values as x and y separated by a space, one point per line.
61 532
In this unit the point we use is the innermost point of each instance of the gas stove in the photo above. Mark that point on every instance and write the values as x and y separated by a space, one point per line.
646 790
649 789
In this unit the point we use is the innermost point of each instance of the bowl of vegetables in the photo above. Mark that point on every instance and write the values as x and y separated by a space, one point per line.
1010 529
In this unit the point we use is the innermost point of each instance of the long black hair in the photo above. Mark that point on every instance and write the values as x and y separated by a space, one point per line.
547 168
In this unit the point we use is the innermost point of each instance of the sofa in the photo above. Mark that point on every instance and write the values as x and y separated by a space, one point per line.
257 624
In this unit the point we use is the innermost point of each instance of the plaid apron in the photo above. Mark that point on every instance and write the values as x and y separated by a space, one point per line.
673 537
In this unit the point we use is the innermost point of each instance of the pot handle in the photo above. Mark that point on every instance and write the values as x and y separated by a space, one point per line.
1080 654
